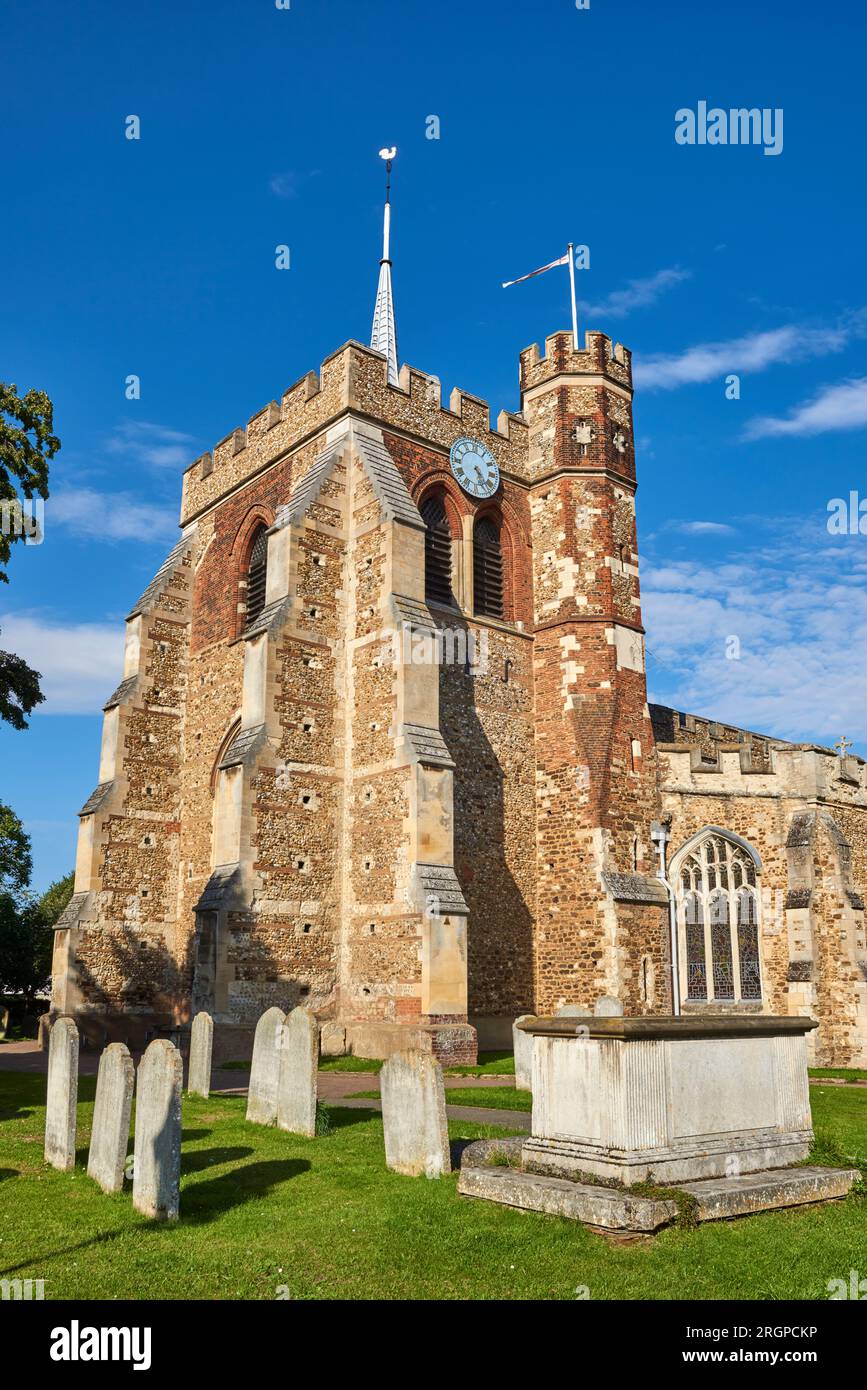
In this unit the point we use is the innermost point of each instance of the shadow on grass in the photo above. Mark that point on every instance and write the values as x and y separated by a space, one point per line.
209 1158
341 1117
200 1203
16 1114
206 1201
8 1173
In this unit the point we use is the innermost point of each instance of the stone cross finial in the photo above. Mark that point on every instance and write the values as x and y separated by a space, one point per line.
844 745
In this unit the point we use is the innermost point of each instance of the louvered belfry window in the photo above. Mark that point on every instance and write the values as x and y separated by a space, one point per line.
487 569
256 576
437 552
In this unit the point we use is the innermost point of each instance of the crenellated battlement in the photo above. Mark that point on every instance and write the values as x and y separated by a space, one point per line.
599 357
806 771
352 379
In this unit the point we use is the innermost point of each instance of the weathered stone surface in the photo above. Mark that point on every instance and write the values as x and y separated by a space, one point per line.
606 1207
617 1209
299 1060
60 1111
414 1115
568 1011
157 1148
109 1136
522 1046
497 1152
201 1048
720 1198
332 1039
265 1068
677 1098
608 1007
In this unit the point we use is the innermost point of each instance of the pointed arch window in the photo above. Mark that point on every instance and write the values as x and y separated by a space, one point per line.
718 913
437 551
257 575
487 569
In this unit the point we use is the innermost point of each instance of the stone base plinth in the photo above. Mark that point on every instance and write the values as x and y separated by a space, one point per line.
619 1210
453 1044
714 1156
668 1100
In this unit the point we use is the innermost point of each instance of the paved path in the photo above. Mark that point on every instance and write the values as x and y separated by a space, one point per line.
334 1086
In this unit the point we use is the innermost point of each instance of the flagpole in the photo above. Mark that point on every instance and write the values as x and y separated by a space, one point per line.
574 306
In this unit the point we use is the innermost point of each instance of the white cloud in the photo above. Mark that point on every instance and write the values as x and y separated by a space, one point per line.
109 516
752 353
80 663
701 528
638 294
156 446
842 407
801 625
284 185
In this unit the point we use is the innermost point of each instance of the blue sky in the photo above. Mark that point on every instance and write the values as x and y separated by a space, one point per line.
260 126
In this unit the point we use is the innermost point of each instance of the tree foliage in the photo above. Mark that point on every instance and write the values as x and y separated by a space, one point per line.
27 443
16 861
26 922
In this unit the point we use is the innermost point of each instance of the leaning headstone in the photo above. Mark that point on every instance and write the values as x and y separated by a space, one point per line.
60 1110
299 1060
414 1115
109 1135
157 1150
608 1007
201 1047
265 1068
522 1046
570 1011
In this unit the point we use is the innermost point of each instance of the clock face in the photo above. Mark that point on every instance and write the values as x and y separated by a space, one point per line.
475 467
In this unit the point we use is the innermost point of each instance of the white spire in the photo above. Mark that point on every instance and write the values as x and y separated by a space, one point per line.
383 336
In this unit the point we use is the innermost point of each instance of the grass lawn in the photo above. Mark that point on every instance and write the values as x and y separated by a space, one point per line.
326 1219
487 1098
840 1073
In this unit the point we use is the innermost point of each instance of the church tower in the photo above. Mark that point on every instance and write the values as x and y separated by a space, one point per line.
601 926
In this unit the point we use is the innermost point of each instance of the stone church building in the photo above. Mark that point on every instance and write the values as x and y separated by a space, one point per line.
382 746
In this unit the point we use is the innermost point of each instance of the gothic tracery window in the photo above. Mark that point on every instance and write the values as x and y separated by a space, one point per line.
718 912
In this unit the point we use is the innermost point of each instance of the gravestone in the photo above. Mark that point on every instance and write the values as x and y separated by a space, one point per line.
332 1039
4 1022
414 1115
157 1149
201 1047
299 1060
110 1132
60 1110
265 1068
570 1011
522 1046
608 1007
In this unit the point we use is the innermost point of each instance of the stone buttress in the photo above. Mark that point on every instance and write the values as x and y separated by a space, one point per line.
121 957
332 874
